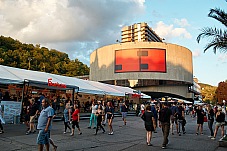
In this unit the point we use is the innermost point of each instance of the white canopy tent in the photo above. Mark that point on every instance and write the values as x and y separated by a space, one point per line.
6 77
11 75
108 89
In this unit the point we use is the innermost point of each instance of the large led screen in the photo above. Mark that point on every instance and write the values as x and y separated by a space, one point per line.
135 60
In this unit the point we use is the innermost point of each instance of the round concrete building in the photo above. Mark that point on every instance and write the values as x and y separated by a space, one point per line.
143 62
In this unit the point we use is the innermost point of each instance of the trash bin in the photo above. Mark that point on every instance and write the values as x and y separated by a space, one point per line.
16 119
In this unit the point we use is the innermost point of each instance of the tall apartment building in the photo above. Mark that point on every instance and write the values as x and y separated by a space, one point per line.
139 32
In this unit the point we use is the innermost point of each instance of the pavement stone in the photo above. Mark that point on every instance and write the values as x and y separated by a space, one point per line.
126 138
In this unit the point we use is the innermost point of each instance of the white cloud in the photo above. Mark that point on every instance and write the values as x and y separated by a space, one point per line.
169 31
62 22
181 22
196 53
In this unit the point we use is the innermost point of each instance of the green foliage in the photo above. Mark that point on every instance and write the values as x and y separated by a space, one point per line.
15 54
217 37
208 93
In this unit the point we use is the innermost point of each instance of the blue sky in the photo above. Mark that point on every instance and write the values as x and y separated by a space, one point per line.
208 67
78 27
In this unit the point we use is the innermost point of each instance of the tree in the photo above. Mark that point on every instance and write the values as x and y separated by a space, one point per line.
15 54
218 37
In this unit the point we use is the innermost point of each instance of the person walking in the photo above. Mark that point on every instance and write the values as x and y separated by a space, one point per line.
149 122
99 114
93 116
200 120
44 126
2 121
75 120
124 111
220 122
142 108
154 111
67 116
164 123
104 118
181 119
33 112
173 117
210 113
110 115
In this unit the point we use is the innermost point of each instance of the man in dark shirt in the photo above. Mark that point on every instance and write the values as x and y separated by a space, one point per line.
164 123
33 111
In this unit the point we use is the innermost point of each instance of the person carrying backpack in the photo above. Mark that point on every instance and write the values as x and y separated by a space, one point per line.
164 123
173 117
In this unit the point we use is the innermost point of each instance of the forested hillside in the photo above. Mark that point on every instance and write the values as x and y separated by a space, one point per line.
27 56
208 93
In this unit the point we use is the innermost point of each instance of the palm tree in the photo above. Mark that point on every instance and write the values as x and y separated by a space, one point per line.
217 37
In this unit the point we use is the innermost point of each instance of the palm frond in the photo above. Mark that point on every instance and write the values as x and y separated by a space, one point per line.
219 15
217 44
209 32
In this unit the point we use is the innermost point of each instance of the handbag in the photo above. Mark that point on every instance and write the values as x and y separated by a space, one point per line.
205 119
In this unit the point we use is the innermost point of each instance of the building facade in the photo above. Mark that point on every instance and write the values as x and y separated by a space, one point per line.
139 32
145 63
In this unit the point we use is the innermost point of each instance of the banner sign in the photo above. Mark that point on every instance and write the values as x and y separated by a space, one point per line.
11 109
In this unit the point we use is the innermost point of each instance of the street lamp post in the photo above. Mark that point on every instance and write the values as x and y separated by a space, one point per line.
29 63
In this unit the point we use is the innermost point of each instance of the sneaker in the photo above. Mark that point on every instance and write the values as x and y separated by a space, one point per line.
179 134
111 133
149 145
94 128
201 134
213 138
64 132
155 131
197 134
28 132
95 133
210 136
71 134
103 131
163 146
1 132
34 131
172 133
80 133
89 127
184 132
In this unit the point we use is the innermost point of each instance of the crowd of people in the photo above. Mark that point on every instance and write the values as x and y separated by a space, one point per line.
169 115
101 114
170 118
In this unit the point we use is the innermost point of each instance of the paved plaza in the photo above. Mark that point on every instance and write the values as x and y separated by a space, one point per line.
126 138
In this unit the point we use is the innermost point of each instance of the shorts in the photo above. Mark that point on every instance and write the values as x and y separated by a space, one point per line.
142 112
32 119
149 127
27 118
220 124
43 138
173 120
75 123
124 114
200 121
109 116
